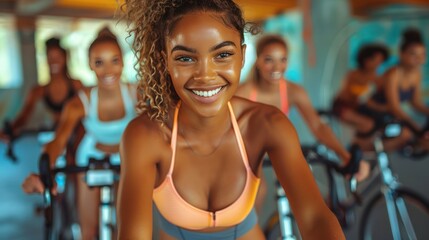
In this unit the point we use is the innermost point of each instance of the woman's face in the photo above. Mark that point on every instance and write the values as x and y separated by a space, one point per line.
204 59
105 59
374 62
272 62
414 55
56 60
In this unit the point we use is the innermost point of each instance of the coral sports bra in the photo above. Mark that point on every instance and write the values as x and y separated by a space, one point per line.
283 95
182 214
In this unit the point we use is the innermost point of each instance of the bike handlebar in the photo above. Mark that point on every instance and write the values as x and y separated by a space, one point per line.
46 173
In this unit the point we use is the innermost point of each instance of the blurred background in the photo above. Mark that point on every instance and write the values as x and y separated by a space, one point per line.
323 39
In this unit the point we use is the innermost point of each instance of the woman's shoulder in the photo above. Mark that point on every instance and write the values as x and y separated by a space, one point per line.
37 91
144 134
392 72
262 120
143 125
296 92
255 112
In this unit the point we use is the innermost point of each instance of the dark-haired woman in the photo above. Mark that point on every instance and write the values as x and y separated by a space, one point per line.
196 150
104 111
402 83
353 103
60 88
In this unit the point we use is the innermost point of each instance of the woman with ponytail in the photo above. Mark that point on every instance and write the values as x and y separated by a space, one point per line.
104 111
196 150
60 88
402 83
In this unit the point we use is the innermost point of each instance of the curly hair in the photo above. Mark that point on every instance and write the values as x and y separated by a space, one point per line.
260 46
370 50
150 22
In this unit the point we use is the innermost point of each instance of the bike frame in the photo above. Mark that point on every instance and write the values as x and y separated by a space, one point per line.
389 186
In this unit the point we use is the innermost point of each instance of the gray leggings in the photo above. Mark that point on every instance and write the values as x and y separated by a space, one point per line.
231 233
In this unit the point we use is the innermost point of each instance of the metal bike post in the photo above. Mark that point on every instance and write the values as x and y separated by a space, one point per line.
388 190
391 212
400 204
105 213
285 215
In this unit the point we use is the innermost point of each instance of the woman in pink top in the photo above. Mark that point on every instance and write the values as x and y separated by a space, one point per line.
195 145
266 84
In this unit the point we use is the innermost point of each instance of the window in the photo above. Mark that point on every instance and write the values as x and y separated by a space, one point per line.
10 58
76 35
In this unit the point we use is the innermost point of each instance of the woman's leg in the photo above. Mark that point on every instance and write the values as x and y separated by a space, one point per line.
362 123
87 203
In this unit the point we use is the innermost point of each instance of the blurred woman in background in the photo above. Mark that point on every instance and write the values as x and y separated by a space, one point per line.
266 84
402 83
60 88
104 111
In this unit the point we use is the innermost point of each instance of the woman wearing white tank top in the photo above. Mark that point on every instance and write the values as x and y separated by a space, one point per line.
105 111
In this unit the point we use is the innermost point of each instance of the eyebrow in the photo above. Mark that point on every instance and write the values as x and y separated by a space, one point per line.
223 44
192 50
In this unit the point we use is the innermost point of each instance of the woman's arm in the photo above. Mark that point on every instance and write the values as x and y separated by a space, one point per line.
393 99
71 115
33 96
417 100
314 218
320 130
139 150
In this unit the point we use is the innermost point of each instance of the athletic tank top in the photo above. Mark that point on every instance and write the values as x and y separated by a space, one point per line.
404 95
106 132
182 214
58 107
283 96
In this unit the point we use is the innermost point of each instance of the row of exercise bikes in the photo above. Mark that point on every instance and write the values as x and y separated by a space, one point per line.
389 209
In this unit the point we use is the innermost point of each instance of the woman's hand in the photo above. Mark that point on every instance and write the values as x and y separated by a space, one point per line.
33 184
363 172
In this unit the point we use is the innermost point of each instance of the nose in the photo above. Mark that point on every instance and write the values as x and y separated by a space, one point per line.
205 70
278 66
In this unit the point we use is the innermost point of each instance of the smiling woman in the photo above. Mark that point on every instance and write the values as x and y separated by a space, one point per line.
104 111
196 148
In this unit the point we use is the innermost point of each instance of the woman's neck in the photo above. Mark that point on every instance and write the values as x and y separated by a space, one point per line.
192 121
268 86
56 77
408 69
109 93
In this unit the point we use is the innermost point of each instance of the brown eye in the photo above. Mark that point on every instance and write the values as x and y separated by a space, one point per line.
268 60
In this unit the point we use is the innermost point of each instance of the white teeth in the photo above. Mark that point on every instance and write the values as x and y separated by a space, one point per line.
276 75
109 79
207 93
